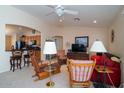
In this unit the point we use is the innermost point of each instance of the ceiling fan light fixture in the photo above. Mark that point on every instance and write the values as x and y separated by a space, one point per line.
60 13
59 10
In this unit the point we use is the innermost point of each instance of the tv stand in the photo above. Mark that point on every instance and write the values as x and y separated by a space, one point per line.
78 55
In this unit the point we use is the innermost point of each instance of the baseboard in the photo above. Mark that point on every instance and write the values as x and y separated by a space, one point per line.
122 85
5 70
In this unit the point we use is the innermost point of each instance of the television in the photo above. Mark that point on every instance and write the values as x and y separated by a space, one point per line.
82 40
78 48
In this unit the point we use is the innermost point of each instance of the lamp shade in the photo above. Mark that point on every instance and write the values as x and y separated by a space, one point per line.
98 47
49 48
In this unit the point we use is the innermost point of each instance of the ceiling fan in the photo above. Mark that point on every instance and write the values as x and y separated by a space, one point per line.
60 11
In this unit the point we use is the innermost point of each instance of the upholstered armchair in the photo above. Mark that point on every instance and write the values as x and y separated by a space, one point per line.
80 72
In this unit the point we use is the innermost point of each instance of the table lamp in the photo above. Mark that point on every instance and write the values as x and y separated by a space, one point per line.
99 48
50 49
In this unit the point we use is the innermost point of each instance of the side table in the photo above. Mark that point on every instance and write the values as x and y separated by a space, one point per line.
104 70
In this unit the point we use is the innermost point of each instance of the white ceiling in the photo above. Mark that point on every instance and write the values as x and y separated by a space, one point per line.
103 14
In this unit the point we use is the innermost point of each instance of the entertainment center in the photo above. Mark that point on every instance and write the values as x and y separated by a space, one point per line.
78 55
79 49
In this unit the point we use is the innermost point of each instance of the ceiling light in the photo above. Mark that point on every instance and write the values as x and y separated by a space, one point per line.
76 19
60 20
94 21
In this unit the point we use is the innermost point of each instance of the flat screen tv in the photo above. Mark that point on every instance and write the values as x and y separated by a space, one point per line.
82 40
78 48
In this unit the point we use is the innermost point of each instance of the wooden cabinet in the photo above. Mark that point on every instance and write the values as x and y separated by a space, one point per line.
78 55
32 38
8 42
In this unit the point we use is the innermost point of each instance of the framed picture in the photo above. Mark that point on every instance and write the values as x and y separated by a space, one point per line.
112 36
82 40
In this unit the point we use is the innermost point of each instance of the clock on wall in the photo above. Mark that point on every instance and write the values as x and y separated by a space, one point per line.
112 36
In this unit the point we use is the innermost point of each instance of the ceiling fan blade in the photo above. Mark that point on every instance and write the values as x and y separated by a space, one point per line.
71 12
50 13
50 6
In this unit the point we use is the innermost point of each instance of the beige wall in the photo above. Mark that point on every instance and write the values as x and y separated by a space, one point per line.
69 34
11 15
117 47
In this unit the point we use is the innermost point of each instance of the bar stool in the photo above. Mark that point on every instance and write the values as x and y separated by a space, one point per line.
15 59
26 57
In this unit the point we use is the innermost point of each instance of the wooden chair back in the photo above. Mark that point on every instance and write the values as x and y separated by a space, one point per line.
16 52
80 70
15 59
34 62
30 52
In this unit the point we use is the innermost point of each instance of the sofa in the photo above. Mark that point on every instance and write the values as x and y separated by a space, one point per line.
113 79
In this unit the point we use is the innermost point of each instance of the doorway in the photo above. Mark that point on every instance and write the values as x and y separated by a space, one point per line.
59 42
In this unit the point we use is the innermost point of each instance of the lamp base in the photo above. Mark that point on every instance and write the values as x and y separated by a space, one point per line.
50 84
99 54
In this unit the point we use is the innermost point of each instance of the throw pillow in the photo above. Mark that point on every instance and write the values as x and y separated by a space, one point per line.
115 59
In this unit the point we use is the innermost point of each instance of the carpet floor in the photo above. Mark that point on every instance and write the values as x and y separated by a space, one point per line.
23 79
